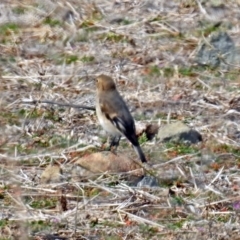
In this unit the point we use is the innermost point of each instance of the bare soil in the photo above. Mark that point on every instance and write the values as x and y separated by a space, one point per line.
53 50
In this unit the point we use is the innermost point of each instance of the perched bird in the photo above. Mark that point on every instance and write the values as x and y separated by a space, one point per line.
113 114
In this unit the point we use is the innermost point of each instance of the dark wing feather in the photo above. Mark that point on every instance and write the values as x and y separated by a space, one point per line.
117 112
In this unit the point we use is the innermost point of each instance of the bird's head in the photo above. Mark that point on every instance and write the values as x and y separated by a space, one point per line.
105 83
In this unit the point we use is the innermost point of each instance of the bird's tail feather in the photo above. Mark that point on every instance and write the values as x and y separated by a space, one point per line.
140 153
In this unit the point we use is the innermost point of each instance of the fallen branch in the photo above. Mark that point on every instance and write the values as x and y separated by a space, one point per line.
59 104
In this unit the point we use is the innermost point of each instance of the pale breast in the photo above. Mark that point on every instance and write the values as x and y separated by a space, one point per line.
105 123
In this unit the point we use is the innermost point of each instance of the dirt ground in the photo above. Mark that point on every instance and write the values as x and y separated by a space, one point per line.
52 51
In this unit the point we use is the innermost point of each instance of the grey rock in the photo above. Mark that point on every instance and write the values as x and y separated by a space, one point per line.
148 181
178 131
233 132
220 52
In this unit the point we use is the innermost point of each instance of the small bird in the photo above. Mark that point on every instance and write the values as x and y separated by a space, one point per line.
113 114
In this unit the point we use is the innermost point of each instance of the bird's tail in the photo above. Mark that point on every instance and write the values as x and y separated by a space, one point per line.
140 153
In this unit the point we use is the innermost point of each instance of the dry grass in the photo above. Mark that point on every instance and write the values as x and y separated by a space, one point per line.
52 51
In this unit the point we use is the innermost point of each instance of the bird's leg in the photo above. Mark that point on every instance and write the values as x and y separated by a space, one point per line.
114 142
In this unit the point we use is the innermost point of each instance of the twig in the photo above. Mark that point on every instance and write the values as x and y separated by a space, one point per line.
174 160
142 220
59 104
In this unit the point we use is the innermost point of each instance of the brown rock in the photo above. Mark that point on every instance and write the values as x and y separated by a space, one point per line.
51 174
109 162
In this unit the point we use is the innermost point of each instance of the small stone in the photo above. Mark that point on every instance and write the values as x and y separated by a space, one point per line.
148 181
51 174
178 131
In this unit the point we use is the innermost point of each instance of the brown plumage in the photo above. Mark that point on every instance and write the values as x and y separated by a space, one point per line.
114 115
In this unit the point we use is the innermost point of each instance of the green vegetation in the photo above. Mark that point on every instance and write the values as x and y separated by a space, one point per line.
44 203
143 139
19 10
87 59
7 28
113 37
181 148
89 26
71 59
51 22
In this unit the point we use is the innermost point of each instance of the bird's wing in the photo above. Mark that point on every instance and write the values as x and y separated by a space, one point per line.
112 113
